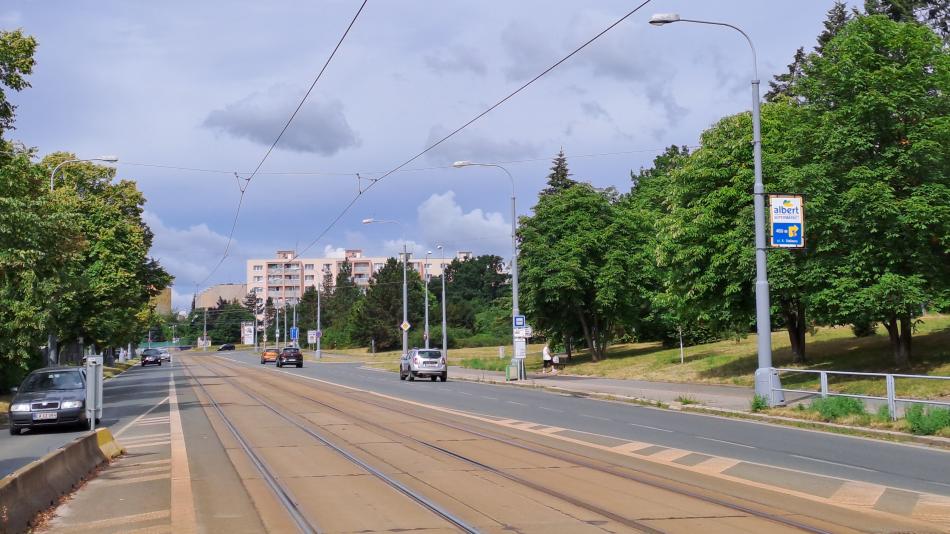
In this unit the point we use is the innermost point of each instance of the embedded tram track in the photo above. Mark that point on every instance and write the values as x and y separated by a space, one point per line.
588 463
283 494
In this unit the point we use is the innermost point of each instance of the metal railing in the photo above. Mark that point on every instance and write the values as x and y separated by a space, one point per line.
889 381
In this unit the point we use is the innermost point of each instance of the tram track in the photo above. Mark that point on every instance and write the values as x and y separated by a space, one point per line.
623 473
283 494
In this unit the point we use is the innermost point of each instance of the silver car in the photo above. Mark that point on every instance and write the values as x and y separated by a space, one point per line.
423 363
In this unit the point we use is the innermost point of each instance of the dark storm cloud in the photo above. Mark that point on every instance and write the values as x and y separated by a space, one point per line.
320 127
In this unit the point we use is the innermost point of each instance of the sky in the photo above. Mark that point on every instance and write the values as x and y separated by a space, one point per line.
187 94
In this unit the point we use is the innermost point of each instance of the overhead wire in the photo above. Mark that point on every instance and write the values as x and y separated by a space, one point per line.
454 132
247 181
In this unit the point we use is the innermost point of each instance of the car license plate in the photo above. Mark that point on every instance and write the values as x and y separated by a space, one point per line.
41 416
431 364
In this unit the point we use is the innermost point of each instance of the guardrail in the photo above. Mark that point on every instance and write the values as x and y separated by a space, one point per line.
889 382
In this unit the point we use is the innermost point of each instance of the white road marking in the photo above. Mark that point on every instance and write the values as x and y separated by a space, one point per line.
518 403
489 398
136 420
464 393
183 505
727 442
550 409
651 427
833 463
593 417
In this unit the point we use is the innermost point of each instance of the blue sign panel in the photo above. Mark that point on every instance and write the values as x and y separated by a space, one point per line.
787 221
787 235
294 331
519 321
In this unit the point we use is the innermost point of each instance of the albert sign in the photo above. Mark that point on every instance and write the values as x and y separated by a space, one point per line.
787 221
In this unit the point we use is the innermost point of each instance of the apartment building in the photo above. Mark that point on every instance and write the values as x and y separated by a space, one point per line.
284 279
208 298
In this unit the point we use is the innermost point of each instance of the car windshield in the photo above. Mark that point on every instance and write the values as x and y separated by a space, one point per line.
150 352
430 354
51 380
292 349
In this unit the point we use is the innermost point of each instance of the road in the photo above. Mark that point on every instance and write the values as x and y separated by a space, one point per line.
125 397
335 447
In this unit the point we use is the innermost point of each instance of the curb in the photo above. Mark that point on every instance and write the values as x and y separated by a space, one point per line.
819 426
39 484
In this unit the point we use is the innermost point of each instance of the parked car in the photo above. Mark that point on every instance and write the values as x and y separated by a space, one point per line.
52 396
290 356
226 346
165 355
151 356
269 355
423 363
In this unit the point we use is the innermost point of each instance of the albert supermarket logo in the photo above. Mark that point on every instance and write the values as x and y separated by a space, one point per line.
787 207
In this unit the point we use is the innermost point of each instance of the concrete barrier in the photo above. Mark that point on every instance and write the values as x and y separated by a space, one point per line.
39 485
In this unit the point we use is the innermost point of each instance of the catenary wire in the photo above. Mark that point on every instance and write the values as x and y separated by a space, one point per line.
247 181
454 132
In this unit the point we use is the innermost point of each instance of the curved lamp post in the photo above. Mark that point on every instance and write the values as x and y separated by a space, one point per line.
514 253
52 176
765 380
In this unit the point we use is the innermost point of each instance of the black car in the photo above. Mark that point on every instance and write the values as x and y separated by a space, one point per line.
290 356
226 346
151 357
49 397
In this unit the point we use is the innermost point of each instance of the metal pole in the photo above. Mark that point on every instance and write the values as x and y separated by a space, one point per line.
285 323
514 279
204 335
405 300
319 331
681 345
445 332
425 276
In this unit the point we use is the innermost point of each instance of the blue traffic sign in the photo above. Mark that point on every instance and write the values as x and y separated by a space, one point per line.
519 321
294 331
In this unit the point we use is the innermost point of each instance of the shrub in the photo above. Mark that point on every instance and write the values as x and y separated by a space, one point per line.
927 422
864 328
759 403
832 408
686 399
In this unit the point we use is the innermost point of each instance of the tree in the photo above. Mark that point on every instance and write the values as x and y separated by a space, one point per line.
933 13
887 148
575 268
16 62
784 84
228 317
381 311
560 177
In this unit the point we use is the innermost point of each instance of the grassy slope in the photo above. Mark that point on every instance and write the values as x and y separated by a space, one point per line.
731 362
390 359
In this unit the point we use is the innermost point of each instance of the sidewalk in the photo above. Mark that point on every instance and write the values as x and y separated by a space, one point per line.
726 397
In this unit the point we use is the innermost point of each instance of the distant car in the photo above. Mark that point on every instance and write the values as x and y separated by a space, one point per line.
151 356
164 355
290 356
51 396
269 355
226 346
423 363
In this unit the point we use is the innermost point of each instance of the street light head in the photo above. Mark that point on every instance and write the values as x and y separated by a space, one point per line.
369 221
659 19
438 247
428 252
108 159
460 164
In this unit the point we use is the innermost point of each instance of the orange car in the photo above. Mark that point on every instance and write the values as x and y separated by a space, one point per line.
269 355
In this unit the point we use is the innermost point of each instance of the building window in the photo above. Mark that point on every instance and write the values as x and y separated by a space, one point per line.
327 267
258 268
308 277
258 278
273 266
308 267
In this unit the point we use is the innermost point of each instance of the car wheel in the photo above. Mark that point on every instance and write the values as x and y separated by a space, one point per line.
412 377
299 365
402 376
262 361
14 430
433 378
444 377
277 363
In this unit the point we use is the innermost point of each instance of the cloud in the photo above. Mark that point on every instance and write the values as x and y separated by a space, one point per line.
393 247
330 251
594 110
454 59
443 221
319 128
472 146
527 50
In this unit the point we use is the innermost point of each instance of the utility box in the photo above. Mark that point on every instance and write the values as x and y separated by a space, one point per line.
93 390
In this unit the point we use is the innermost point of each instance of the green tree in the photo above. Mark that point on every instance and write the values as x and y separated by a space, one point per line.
933 13
16 62
380 312
228 317
880 94
560 177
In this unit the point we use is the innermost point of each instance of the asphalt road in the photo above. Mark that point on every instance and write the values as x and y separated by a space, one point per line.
125 397
909 467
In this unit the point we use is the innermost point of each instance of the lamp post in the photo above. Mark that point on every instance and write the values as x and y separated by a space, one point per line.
765 380
445 332
51 341
52 175
514 256
425 276
405 290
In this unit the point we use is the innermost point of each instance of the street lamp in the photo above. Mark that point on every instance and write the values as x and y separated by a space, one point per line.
514 256
405 290
425 276
52 176
766 381
445 334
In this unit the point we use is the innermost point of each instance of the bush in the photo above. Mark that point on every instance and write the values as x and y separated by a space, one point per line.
927 422
832 408
759 403
486 364
864 328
